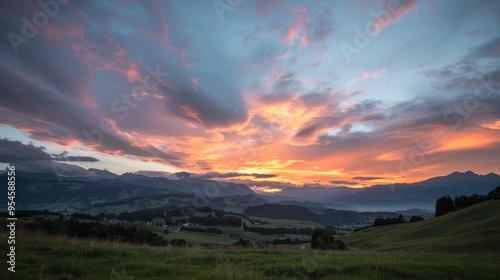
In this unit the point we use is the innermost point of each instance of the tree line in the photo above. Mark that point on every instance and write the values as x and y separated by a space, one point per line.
446 204
279 230
208 230
216 221
112 232
399 220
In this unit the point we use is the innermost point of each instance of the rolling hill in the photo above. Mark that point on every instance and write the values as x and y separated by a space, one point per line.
474 228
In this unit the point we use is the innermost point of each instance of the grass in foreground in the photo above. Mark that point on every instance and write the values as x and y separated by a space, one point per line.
48 257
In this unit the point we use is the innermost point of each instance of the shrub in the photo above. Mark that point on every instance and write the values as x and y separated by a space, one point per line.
416 219
323 239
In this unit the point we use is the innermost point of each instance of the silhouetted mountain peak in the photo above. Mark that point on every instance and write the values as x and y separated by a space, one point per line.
102 173
468 174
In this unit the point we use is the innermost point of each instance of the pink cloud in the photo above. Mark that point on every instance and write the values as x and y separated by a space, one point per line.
194 82
375 74
352 82
299 25
309 29
394 13
367 75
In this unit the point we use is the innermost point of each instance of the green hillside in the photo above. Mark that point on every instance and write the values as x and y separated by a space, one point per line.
475 228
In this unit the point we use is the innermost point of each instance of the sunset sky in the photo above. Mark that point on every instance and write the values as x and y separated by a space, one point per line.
332 93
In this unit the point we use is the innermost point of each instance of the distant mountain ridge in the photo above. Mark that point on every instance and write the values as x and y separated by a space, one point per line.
392 197
49 191
420 194
52 192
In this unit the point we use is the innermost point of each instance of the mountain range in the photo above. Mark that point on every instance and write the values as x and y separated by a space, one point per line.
103 189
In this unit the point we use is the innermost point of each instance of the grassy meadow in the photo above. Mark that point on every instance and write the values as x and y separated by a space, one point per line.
460 245
41 256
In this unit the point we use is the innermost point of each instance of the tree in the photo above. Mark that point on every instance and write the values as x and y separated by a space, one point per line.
401 219
494 194
242 242
323 239
179 243
416 219
444 205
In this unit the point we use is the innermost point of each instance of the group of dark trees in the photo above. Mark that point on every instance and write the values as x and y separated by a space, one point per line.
287 241
280 230
257 221
281 241
96 230
208 230
85 216
179 243
242 243
323 239
388 221
416 219
399 220
446 204
216 221
31 213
